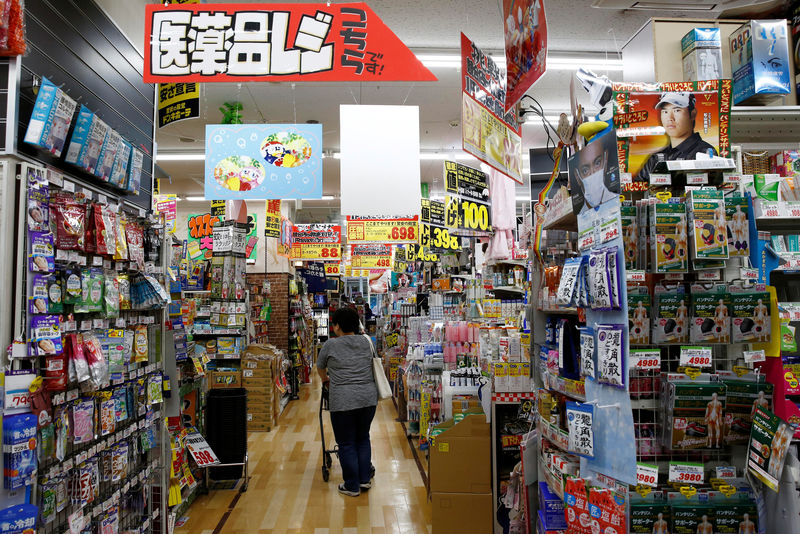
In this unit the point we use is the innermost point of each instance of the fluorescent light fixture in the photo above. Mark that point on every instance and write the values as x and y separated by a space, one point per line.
181 156
453 61
195 199
327 197
298 264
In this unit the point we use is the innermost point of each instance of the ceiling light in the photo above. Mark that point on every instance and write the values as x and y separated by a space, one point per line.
327 197
195 199
184 156
298 264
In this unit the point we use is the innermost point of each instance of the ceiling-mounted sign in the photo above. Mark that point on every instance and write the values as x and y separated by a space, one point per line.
274 42
317 242
526 46
272 226
263 161
468 205
488 131
372 256
177 101
200 243
284 244
432 231
314 275
333 269
382 230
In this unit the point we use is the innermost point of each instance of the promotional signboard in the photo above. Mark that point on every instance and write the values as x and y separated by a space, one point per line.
770 438
333 269
382 230
433 233
525 30
274 43
168 205
594 173
263 161
468 204
372 256
670 121
316 242
200 239
272 223
177 101
284 244
314 274
488 131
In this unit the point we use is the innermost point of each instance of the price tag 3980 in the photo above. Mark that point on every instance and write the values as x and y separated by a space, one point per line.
647 475
696 356
686 473
660 179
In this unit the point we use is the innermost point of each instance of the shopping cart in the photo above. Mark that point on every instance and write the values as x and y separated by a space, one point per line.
326 453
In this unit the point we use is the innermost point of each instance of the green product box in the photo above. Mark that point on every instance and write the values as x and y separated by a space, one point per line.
738 226
750 316
693 518
670 242
736 518
710 314
709 227
741 399
639 303
649 517
695 415
671 321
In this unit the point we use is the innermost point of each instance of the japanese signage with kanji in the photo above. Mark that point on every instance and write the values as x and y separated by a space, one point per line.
272 224
488 132
314 275
263 161
200 239
382 230
333 269
274 42
286 239
372 256
580 419
432 231
468 204
168 205
770 438
177 101
317 242
526 46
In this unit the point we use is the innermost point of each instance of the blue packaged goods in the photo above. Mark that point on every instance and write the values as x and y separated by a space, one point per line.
19 450
760 61
50 119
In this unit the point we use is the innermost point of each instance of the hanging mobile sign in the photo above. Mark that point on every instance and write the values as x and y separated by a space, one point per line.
261 161
467 206
371 256
488 132
284 244
316 242
272 223
412 253
274 42
526 46
382 230
177 101
433 233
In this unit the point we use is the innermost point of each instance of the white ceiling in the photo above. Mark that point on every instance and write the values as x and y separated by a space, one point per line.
573 26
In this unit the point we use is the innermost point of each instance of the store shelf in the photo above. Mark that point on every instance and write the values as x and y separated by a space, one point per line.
571 388
778 225
555 484
567 221
760 125
562 311
509 289
555 435
197 291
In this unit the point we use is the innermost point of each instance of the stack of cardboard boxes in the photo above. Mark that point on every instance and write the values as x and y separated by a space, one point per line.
259 368
461 472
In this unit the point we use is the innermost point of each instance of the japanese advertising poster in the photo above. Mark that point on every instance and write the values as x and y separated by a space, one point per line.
670 121
525 30
177 101
272 224
263 161
432 230
274 42
488 131
594 173
372 256
200 238
284 244
468 204
770 438
382 230
316 242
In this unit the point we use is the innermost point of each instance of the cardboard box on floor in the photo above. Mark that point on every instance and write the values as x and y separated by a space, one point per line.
461 457
457 513
224 379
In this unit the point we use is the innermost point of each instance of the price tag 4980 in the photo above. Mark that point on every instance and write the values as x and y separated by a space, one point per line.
696 356
647 360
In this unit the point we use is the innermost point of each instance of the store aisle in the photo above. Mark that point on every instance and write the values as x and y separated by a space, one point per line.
288 496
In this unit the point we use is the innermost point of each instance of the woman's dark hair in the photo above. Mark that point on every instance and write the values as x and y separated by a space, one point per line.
346 319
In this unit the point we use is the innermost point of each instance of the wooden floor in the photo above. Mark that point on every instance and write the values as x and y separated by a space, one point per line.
287 494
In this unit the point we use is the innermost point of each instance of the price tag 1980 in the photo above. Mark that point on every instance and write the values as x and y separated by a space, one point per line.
647 475
793 209
686 473
771 209
696 356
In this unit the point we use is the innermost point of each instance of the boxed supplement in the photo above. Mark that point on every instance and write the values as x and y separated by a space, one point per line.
669 241
701 50
750 315
742 397
760 62
710 314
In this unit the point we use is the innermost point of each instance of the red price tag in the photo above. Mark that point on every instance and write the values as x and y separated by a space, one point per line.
587 242
647 360
696 356
647 475
610 234
660 179
793 208
771 209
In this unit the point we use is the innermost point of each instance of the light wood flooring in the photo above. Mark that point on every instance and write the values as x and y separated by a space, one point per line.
287 495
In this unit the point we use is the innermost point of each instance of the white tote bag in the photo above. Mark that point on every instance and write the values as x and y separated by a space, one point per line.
381 382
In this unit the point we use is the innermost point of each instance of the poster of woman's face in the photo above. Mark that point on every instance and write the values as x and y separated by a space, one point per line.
594 173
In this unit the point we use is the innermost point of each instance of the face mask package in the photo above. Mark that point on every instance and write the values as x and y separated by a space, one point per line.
709 226
41 259
669 240
750 314
90 151
45 336
79 135
19 450
105 160
710 314
671 323
639 303
610 354
38 300
38 203
50 119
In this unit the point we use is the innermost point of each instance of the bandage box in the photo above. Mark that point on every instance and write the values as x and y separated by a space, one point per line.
738 226
732 517
690 415
644 516
750 316
701 50
709 229
670 241
710 314
741 398
671 319
686 518
760 61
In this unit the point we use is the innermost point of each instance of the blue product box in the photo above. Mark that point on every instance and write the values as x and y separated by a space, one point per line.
119 173
541 528
135 174
760 61
19 450
90 152
551 508
700 38
50 119
79 135
105 160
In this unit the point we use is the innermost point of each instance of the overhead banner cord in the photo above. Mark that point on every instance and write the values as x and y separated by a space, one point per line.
539 213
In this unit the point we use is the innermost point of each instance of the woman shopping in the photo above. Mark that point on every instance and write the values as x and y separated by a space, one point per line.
346 360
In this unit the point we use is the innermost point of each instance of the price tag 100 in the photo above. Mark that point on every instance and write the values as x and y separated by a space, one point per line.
686 473
647 360
696 356
647 475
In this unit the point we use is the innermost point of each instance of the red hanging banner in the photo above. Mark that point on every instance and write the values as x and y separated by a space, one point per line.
274 43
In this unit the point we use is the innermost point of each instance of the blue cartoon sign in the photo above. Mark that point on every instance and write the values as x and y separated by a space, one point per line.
263 161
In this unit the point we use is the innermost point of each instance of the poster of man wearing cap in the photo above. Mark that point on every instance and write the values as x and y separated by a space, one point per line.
670 121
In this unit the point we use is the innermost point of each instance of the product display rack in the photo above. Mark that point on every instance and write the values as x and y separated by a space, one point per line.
259 297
